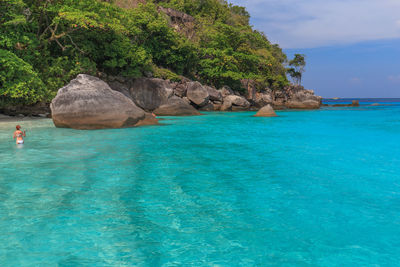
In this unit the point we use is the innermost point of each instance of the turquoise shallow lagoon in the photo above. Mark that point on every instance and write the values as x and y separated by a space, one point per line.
308 188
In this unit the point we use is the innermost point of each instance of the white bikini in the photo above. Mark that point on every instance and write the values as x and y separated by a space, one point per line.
21 141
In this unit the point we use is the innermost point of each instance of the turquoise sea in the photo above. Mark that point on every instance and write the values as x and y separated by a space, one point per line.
308 188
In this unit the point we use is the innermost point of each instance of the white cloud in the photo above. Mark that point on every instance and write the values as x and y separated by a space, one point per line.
394 78
355 80
315 23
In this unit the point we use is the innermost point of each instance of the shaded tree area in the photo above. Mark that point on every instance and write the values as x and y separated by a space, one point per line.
296 68
46 43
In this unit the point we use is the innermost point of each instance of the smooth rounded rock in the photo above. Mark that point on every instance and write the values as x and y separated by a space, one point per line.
89 103
235 103
176 107
266 111
150 93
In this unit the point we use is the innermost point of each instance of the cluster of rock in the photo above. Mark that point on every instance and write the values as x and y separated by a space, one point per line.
88 102
150 93
166 98
354 103
291 97
40 109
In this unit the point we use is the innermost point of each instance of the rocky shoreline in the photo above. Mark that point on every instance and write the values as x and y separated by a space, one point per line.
89 102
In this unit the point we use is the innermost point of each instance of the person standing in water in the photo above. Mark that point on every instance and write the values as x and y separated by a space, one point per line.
19 134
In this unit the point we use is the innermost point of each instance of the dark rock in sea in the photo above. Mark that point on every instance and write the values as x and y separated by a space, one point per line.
197 94
150 93
354 103
266 111
176 107
89 103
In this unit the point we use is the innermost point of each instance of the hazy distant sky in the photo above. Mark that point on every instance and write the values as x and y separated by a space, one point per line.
352 47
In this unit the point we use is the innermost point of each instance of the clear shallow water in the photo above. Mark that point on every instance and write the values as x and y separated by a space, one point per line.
311 188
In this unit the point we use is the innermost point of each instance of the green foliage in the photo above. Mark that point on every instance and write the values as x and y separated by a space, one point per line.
165 74
47 43
296 69
18 80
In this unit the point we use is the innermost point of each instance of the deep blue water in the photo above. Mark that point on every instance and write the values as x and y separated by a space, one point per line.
362 101
307 188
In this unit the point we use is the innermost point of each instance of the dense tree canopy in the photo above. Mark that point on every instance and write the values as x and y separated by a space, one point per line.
46 43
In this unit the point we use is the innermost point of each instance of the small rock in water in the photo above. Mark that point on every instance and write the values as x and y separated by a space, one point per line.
266 111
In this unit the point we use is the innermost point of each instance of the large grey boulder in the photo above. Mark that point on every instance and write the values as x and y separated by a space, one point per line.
89 103
197 94
300 98
235 103
262 99
266 111
214 94
176 106
150 93
121 87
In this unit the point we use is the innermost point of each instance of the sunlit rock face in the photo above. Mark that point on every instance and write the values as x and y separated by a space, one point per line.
89 103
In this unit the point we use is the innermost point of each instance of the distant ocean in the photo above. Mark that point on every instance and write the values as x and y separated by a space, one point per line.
307 188
361 100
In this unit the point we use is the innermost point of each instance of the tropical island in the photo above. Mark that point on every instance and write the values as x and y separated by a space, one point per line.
238 175
169 57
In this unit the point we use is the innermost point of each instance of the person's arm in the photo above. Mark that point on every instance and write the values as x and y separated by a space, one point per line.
24 134
14 135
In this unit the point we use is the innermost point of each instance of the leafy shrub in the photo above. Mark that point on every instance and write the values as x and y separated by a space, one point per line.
18 79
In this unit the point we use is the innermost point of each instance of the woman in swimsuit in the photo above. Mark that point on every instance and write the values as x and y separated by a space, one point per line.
18 134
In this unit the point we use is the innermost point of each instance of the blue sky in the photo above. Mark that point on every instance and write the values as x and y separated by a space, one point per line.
352 47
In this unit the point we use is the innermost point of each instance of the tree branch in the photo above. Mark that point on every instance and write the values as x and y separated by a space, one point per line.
80 50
